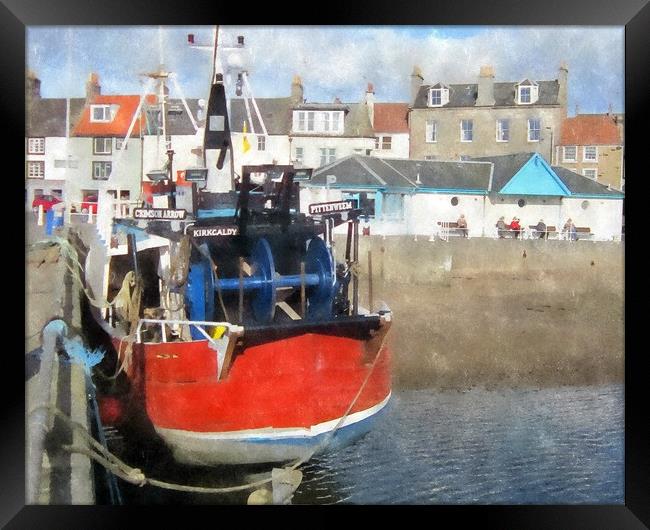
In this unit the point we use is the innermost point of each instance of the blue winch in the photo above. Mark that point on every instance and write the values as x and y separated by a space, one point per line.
319 279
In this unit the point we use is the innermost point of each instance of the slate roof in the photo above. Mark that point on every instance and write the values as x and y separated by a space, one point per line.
45 117
178 122
464 95
391 117
368 171
276 113
579 184
506 166
590 129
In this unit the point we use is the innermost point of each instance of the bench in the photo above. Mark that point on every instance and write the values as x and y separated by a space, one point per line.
450 228
551 231
582 232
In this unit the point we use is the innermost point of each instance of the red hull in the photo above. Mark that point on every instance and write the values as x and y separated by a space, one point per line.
297 382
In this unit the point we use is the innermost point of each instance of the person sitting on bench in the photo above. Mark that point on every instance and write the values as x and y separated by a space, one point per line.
461 224
501 227
515 227
540 229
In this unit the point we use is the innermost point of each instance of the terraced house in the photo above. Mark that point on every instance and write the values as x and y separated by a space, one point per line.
450 121
592 145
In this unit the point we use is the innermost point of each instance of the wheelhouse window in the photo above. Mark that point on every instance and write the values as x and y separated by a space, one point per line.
36 170
327 156
534 130
503 130
431 134
466 130
100 113
36 146
102 146
569 153
101 170
590 153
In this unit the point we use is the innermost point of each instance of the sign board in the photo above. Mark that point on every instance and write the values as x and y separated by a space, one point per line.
331 207
212 231
159 214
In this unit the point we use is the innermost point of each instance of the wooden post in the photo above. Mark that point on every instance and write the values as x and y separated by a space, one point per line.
40 215
370 281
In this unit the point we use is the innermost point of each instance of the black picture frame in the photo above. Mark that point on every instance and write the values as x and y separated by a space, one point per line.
16 15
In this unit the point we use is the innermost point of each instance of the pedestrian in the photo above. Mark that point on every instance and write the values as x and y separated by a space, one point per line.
501 227
461 224
570 230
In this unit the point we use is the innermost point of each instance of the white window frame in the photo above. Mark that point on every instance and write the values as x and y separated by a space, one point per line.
261 142
309 121
533 94
539 130
564 155
431 132
101 165
40 174
471 130
380 143
299 157
120 144
107 142
438 92
444 97
590 169
327 155
500 130
36 146
106 113
584 153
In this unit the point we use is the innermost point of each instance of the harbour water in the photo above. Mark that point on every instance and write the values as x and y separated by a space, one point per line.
560 445
549 446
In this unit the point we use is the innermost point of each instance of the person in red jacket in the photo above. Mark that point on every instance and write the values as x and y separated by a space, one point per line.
515 227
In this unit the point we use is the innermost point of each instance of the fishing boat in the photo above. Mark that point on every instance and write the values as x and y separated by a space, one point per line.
236 330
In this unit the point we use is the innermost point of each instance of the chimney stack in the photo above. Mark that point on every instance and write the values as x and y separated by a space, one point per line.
92 87
416 83
297 91
562 79
485 97
370 103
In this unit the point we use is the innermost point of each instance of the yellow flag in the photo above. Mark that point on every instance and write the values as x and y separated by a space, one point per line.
245 144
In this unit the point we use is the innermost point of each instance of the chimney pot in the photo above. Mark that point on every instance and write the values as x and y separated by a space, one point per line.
370 88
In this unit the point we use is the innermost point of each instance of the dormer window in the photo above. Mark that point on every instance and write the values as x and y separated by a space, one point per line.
100 113
527 92
438 95
308 121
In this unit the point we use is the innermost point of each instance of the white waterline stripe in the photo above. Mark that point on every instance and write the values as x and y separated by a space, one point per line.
279 433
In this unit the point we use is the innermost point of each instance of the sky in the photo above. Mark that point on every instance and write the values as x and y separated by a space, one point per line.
334 61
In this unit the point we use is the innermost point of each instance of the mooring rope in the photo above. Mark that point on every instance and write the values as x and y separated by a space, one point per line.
126 472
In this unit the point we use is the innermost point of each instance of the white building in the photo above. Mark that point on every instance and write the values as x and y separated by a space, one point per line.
390 123
414 197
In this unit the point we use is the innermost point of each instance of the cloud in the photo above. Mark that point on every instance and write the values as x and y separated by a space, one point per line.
338 61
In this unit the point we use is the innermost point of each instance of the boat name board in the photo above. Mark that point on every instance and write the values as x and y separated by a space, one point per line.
327 207
213 231
158 213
